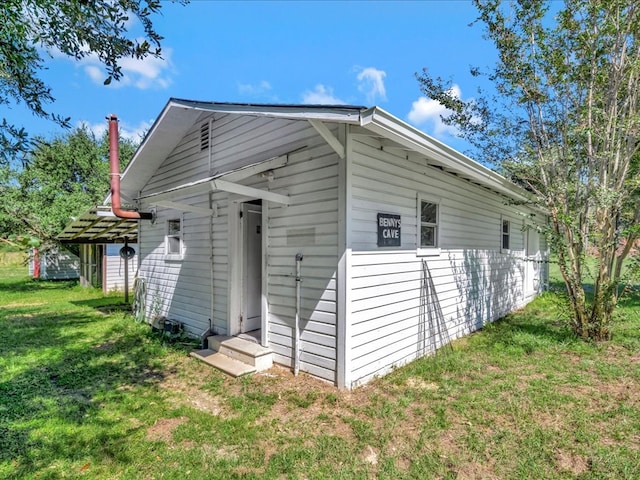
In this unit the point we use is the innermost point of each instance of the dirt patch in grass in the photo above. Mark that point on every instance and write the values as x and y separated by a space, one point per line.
420 384
550 421
475 471
163 429
572 463
188 390
21 305
370 455
206 403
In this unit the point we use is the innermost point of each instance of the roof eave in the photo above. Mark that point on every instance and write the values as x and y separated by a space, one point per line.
178 116
383 123
329 113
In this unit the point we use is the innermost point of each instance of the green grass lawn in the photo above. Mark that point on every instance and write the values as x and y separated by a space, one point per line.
85 392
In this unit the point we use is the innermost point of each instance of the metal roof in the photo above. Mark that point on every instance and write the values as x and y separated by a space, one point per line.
99 225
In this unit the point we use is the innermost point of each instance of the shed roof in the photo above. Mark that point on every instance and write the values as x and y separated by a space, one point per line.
99 225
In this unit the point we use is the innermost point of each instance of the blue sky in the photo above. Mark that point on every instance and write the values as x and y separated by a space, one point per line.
358 52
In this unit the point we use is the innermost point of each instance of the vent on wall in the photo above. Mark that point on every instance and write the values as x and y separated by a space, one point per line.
204 136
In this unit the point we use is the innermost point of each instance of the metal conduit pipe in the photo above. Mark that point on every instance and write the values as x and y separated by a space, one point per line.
296 346
114 172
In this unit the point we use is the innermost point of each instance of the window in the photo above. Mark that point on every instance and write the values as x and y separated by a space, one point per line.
506 235
428 226
173 240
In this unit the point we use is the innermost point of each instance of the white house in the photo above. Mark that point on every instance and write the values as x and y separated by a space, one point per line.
346 241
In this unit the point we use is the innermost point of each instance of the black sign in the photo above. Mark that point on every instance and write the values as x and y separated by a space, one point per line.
388 230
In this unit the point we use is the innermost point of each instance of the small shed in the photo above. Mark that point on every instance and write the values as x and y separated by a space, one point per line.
345 241
54 264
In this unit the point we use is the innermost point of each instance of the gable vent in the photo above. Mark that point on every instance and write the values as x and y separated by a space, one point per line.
204 136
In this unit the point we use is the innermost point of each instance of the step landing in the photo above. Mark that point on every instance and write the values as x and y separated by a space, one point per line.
235 356
224 363
242 350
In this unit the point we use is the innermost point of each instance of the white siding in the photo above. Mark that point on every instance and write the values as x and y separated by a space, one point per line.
403 308
194 289
179 289
309 225
114 268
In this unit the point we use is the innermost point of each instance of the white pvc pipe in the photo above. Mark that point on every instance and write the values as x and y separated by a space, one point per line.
296 339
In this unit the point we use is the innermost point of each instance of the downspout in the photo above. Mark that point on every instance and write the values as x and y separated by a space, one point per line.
296 346
114 172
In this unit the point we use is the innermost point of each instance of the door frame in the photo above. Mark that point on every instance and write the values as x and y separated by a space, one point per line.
236 267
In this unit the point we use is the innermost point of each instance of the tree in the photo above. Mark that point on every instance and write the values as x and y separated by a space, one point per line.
62 178
76 28
565 124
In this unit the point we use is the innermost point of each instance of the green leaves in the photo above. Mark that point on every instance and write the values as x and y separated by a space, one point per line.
61 178
565 125
75 28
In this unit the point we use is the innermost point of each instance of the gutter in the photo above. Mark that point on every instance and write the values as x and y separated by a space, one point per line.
114 172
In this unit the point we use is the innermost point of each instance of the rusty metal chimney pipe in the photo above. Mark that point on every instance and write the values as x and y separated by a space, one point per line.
114 172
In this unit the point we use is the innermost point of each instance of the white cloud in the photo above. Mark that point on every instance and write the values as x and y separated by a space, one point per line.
95 74
321 95
254 89
150 72
371 84
429 112
131 132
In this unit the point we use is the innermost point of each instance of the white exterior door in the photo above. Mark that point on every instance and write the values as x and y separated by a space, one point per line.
532 264
251 267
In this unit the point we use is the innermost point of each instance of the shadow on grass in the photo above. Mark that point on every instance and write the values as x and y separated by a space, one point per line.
542 324
60 369
630 299
527 334
106 305
26 285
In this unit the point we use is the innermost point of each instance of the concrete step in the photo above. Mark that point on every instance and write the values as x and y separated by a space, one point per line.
222 362
242 350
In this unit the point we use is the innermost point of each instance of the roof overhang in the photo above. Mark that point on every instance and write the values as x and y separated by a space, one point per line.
387 126
99 225
179 116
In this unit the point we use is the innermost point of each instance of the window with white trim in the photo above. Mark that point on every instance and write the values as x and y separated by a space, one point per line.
173 238
428 228
506 235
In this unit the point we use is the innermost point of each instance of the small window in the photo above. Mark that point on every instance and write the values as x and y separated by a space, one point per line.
506 235
173 241
428 226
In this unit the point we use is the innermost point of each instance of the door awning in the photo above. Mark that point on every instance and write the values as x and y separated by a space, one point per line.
225 182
